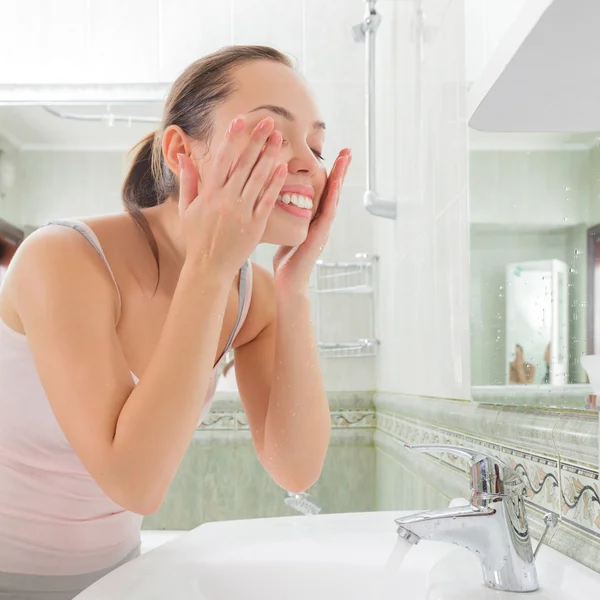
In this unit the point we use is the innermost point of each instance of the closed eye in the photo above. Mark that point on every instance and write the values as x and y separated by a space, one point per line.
284 142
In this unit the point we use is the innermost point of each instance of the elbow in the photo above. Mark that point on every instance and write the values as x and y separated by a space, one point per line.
297 480
138 500
143 507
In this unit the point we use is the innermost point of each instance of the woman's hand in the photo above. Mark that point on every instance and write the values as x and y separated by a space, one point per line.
224 217
293 265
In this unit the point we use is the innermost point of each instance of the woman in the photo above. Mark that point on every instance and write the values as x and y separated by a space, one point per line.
111 328
521 371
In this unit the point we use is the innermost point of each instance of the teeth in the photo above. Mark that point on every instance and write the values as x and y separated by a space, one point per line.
296 200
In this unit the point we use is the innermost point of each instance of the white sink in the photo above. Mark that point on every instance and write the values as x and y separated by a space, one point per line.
320 558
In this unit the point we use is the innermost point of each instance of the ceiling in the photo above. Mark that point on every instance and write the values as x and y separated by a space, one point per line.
34 128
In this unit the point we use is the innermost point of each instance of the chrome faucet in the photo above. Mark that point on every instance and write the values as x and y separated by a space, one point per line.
494 525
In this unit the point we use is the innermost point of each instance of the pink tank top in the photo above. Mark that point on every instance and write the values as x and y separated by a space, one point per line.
54 518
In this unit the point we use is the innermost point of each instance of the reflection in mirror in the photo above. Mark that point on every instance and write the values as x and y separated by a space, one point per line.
533 199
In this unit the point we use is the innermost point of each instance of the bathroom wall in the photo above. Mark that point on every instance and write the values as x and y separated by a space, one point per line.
221 478
9 203
424 267
57 183
530 187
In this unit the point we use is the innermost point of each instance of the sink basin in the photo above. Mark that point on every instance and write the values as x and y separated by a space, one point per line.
320 558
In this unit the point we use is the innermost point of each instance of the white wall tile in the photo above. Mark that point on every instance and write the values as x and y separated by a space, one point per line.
69 184
123 41
548 188
352 231
343 108
42 41
188 30
10 206
331 52
270 22
424 315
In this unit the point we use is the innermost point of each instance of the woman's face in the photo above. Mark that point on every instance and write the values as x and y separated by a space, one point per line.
269 89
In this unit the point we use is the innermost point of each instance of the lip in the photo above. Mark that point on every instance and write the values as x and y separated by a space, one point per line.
303 213
299 189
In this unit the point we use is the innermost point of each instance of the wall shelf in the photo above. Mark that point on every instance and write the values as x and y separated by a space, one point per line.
356 349
350 278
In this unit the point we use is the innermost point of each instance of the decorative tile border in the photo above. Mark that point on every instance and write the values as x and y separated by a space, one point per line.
580 498
238 421
353 421
556 454
540 473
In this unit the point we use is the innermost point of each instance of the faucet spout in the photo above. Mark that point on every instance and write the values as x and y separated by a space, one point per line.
492 531
494 526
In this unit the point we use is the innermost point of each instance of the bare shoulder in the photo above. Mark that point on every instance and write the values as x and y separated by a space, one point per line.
52 262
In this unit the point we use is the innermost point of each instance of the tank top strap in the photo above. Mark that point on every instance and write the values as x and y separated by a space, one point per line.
86 231
245 297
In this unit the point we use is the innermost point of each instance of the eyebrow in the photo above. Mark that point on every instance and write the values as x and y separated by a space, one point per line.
285 113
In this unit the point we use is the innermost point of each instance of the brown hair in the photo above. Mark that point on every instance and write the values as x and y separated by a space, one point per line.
197 91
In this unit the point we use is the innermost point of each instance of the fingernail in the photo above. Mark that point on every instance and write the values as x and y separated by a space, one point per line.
237 124
180 160
266 124
282 169
275 139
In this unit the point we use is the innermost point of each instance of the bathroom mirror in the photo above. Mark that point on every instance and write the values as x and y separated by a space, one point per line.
534 220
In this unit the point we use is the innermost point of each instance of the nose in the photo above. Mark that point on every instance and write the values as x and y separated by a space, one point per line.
303 161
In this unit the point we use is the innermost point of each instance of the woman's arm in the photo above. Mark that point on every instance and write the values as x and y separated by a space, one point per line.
278 373
133 438
281 387
130 438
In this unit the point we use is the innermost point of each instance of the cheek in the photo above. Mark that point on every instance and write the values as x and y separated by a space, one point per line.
319 181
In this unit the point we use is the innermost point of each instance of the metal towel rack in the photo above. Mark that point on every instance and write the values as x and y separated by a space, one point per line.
364 33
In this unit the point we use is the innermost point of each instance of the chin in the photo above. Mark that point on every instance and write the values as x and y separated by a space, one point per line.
284 234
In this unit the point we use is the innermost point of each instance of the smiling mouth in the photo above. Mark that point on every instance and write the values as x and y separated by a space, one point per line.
296 199
296 204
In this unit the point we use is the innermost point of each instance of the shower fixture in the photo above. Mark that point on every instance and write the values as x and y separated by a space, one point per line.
364 33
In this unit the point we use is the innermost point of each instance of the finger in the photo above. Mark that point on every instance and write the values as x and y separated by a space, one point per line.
339 167
188 181
250 155
349 155
263 170
331 202
225 156
266 202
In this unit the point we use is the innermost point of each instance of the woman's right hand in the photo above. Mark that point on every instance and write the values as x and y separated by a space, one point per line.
224 217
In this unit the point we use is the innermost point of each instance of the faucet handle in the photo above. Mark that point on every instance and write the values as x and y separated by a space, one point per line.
489 475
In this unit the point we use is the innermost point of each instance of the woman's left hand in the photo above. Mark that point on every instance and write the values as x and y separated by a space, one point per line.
293 265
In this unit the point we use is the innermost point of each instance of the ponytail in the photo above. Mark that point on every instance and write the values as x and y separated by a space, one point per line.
141 190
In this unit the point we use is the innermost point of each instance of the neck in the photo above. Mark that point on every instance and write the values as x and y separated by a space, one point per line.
166 226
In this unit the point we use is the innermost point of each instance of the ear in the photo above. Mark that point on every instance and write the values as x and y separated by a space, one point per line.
175 142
